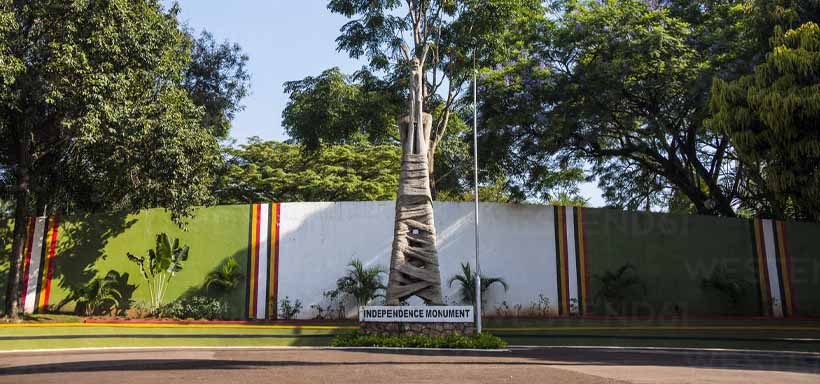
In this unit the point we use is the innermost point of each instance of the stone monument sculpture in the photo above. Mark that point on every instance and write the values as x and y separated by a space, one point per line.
414 267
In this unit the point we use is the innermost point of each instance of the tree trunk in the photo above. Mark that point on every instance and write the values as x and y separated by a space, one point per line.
414 267
431 164
431 155
19 232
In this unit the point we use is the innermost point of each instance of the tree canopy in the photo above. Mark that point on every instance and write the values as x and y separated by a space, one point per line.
333 108
216 79
446 37
623 89
101 109
773 119
273 171
115 106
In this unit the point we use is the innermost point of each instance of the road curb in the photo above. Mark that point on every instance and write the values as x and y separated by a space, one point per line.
662 350
512 348
175 325
248 348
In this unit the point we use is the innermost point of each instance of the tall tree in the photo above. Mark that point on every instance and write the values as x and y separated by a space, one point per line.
443 35
217 81
773 118
333 108
446 37
95 114
619 86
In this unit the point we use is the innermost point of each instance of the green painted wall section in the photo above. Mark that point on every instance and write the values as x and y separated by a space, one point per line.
91 246
803 240
671 254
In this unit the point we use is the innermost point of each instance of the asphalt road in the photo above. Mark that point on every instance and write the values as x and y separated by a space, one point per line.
521 365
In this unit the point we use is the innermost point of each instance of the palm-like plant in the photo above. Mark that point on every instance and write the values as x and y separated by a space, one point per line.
226 278
161 264
728 284
363 283
620 285
99 292
466 281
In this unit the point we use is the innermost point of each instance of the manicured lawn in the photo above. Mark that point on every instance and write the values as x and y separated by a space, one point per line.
49 318
164 342
36 337
795 335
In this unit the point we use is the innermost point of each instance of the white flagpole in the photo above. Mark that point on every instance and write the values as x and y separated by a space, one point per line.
475 165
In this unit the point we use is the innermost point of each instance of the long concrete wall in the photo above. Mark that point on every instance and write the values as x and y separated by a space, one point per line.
555 259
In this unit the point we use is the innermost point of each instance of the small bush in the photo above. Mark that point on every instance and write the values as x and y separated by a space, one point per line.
97 296
361 283
730 286
482 341
196 307
619 287
288 310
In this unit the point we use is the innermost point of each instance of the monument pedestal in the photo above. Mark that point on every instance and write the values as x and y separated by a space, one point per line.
417 320
417 329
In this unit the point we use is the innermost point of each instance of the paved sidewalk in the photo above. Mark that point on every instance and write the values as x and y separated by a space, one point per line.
316 365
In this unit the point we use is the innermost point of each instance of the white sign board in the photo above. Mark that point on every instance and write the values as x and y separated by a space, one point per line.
416 314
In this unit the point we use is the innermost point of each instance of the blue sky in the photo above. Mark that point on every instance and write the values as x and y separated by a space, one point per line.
285 40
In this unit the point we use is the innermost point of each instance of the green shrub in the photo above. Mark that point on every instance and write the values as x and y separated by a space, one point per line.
482 341
97 296
160 265
466 281
619 287
362 283
288 310
730 286
196 307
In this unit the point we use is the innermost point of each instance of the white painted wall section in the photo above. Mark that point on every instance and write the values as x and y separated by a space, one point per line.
318 241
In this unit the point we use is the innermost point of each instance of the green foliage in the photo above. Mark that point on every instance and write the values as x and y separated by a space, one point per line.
336 109
497 192
772 117
481 341
160 266
196 308
728 284
226 279
288 310
448 38
362 283
272 171
623 88
99 295
333 108
217 81
110 105
567 200
769 18
618 86
620 286
466 282
106 118
11 66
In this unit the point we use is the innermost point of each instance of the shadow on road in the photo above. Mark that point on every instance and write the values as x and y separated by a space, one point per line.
260 359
